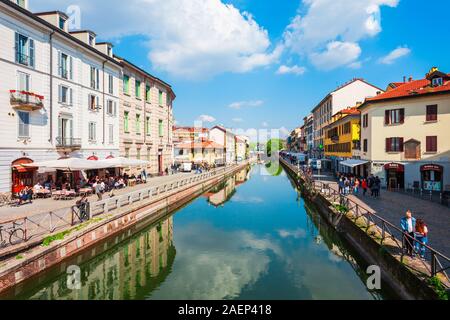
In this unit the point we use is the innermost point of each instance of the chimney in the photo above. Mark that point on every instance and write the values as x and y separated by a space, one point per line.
404 79
410 79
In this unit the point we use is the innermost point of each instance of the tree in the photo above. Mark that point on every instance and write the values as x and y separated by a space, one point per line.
274 145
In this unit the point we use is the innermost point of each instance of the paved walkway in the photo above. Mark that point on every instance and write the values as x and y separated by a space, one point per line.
392 206
46 205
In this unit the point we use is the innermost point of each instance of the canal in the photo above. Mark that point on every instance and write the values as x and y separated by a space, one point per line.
251 237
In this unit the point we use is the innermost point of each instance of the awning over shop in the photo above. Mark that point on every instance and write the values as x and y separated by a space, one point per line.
352 163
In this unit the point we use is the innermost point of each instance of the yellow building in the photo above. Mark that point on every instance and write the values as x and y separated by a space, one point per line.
342 136
199 152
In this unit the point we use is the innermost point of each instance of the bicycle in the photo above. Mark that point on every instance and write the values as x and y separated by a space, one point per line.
16 234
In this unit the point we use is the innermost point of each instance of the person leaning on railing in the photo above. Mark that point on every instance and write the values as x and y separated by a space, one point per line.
408 225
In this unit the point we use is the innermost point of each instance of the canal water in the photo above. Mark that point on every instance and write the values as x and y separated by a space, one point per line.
251 237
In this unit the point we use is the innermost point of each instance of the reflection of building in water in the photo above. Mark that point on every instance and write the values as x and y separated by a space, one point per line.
224 191
131 270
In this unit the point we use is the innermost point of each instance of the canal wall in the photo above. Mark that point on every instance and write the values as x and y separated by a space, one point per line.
30 263
407 284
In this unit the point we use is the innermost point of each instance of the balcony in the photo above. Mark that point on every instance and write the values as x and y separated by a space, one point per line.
27 101
23 59
69 144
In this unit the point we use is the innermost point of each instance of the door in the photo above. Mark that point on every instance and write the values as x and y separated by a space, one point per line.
65 131
160 164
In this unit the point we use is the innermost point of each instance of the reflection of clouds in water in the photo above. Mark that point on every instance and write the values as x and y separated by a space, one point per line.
215 264
296 234
243 199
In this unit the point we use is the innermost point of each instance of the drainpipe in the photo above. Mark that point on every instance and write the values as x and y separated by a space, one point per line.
51 87
104 100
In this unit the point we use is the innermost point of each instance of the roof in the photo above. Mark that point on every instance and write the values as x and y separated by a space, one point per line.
343 86
411 89
191 129
46 13
202 144
131 64
55 29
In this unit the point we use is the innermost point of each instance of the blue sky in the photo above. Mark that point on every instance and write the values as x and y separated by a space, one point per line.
221 54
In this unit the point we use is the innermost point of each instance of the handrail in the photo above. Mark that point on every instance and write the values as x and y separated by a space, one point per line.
41 224
436 266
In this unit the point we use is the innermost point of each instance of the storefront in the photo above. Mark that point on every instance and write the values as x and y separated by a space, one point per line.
395 175
22 176
432 177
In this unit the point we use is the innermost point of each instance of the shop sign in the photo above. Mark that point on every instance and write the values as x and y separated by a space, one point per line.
394 166
431 167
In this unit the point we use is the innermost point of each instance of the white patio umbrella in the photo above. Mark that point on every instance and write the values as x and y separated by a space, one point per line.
68 164
122 162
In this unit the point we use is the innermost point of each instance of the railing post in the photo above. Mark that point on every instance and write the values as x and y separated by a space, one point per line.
433 264
51 221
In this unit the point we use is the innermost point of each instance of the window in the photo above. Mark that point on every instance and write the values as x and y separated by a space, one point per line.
65 95
92 131
91 40
93 102
432 113
111 133
148 153
24 124
111 108
432 144
95 78
147 126
396 116
21 3
110 84
126 116
65 66
127 153
394 144
365 121
137 89
147 94
23 82
160 98
126 84
109 51
160 128
24 50
138 153
365 145
138 124
62 23
436 82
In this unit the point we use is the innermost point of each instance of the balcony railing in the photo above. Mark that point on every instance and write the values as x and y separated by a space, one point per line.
26 100
71 143
23 59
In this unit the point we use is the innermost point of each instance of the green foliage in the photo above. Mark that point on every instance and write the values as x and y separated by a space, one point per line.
439 288
274 145
19 257
59 236
341 209
274 168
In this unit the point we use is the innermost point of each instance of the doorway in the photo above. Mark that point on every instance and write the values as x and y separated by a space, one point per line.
160 163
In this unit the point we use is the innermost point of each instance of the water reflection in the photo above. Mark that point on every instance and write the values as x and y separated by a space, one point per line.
253 237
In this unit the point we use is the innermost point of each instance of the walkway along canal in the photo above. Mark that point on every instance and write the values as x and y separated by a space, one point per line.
250 237
377 240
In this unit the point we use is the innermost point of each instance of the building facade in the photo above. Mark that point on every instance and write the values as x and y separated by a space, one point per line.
227 139
242 148
342 138
309 134
59 94
347 95
146 118
405 134
190 134
199 152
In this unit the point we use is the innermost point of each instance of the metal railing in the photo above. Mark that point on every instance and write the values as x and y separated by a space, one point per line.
19 98
68 142
376 226
36 227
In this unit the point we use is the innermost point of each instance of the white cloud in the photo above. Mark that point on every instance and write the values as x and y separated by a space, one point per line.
329 32
243 104
206 118
187 38
284 132
265 124
291 70
337 54
394 55
237 120
296 234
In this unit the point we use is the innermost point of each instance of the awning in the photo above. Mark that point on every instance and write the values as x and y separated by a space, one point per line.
353 163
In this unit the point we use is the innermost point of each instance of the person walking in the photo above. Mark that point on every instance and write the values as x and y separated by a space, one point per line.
364 186
356 186
421 236
341 185
408 225
98 190
377 184
370 184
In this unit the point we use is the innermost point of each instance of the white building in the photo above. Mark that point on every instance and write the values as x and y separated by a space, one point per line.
227 139
59 93
345 96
